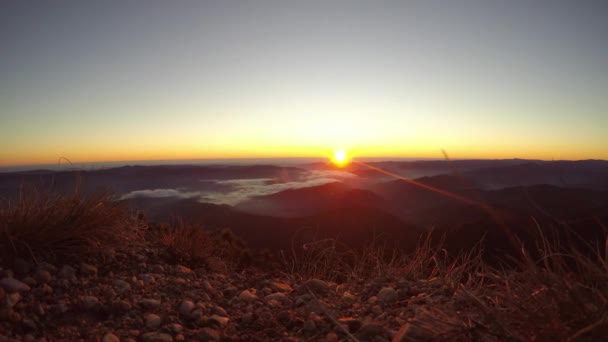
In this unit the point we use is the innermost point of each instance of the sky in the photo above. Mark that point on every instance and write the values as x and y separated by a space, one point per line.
139 80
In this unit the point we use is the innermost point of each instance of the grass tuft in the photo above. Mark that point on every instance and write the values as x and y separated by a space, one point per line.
41 224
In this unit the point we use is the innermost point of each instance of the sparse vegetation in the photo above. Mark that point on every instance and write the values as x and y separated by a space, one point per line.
42 224
556 293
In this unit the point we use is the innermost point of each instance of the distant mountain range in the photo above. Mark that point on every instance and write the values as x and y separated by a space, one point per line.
281 207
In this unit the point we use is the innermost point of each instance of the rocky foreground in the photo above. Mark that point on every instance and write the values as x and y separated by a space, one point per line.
140 297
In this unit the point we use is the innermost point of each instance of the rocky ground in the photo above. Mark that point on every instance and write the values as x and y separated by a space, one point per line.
140 297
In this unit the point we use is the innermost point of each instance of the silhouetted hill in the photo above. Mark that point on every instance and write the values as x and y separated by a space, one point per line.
310 200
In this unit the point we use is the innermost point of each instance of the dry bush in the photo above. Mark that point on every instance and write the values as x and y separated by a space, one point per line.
56 225
193 245
557 297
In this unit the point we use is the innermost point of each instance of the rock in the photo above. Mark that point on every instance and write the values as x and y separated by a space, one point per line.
43 276
348 298
284 287
247 296
156 337
409 332
29 281
208 334
278 296
67 272
331 337
368 331
185 307
121 285
152 321
2 294
221 321
158 269
387 295
147 278
309 326
207 286
13 285
11 300
353 324
89 302
174 327
183 271
230 291
317 286
220 311
150 303
109 337
29 324
88 270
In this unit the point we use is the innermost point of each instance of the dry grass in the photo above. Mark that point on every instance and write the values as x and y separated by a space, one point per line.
48 225
560 296
193 245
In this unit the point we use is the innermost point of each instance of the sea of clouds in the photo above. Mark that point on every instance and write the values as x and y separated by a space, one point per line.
239 190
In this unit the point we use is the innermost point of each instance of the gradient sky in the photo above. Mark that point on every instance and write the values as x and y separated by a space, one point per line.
129 80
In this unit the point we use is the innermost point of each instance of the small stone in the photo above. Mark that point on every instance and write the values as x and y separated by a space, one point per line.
122 306
349 298
209 334
331 337
150 304
368 331
29 324
13 285
158 269
147 278
183 271
152 321
43 276
353 324
156 337
185 307
174 327
387 295
247 296
121 285
109 337
309 326
88 270
230 291
220 311
67 272
284 287
89 302
221 321
317 286
29 281
278 296
11 300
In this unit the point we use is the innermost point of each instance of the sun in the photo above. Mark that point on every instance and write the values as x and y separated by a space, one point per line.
340 158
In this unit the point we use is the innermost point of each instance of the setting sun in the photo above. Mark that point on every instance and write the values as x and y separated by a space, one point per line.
340 158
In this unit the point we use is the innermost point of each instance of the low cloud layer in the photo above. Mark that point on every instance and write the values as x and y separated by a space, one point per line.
243 189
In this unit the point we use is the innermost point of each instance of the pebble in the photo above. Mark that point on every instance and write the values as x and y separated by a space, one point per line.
149 303
247 296
43 276
67 272
153 321
387 295
185 307
13 285
209 334
109 337
221 321
156 337
88 270
121 285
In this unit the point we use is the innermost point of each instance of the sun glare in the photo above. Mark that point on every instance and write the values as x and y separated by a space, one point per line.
340 158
